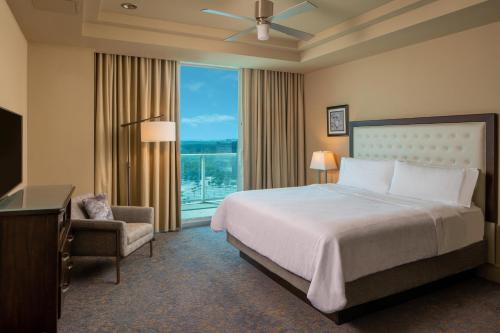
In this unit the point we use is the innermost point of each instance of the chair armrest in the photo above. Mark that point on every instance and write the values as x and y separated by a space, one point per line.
92 237
132 214
104 225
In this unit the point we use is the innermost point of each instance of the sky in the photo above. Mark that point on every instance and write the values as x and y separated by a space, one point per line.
209 103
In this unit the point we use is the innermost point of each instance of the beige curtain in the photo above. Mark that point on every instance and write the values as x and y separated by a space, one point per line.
273 129
130 89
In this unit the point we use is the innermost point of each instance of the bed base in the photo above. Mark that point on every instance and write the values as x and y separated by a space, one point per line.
379 290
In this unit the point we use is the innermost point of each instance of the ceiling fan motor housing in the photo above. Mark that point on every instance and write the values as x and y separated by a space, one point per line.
263 9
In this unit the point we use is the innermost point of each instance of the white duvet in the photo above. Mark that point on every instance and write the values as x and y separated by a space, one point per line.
331 234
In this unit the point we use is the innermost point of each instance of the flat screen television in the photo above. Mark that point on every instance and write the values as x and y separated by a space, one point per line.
11 151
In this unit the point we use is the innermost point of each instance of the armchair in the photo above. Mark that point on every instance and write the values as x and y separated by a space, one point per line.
131 229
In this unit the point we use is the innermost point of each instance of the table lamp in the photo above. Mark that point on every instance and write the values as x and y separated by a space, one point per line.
323 161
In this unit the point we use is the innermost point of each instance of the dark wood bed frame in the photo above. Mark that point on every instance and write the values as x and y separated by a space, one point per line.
472 257
443 268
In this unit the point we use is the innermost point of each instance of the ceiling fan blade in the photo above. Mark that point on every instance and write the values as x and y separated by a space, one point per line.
217 12
302 7
292 32
234 37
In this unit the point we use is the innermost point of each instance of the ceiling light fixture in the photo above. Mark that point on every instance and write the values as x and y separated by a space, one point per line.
263 30
128 5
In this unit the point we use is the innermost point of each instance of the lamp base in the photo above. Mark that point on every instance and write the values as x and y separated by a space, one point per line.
319 176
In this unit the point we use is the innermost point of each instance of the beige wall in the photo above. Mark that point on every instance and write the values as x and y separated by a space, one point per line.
14 72
456 74
61 122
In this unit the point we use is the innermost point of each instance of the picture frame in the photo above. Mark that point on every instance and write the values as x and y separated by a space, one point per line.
337 118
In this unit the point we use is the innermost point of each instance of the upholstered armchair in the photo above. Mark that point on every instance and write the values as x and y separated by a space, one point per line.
131 228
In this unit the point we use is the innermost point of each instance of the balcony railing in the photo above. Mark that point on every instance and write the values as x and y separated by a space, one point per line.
207 178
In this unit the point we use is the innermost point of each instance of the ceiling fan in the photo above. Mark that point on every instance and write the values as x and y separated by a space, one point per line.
265 20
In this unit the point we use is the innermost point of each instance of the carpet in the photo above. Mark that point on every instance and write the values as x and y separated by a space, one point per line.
196 282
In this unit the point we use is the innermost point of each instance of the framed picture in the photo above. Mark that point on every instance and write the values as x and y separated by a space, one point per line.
337 120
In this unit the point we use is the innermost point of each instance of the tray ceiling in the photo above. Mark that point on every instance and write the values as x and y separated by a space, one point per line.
176 29
329 12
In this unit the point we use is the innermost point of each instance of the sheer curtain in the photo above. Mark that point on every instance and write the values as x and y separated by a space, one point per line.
129 89
273 129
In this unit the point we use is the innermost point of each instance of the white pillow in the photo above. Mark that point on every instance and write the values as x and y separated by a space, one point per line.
468 187
366 174
428 182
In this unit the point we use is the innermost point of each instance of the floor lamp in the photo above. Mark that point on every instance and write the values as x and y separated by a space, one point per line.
151 131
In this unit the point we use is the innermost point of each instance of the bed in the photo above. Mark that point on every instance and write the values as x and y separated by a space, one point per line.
344 249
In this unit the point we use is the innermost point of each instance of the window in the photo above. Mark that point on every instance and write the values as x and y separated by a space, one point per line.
209 138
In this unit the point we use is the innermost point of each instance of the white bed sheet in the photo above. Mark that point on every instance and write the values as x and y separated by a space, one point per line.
460 231
331 234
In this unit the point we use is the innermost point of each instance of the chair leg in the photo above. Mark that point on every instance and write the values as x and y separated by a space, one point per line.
117 261
151 248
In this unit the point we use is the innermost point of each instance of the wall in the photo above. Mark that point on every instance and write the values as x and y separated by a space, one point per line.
14 73
61 122
456 74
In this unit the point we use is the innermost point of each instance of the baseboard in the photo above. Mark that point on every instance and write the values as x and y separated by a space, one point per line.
490 272
195 223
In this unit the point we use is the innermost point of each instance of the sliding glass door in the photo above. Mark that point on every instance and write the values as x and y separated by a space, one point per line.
209 139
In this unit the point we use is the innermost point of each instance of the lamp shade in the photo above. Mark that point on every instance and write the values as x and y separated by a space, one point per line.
158 131
323 160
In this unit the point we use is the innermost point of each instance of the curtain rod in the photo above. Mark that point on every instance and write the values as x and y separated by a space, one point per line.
194 64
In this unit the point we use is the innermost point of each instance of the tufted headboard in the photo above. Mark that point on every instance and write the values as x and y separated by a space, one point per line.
462 141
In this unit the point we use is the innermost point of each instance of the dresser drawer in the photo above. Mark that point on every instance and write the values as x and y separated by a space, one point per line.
66 248
64 234
61 217
66 262
64 279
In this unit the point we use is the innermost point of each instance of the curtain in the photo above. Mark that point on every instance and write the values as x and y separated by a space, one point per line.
273 129
129 89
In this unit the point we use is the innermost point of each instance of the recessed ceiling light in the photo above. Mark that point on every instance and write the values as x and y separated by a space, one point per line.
128 5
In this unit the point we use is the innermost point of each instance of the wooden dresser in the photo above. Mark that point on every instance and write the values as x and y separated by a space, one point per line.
35 259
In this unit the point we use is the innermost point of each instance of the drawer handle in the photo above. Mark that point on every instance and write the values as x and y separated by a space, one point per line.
65 255
70 266
70 238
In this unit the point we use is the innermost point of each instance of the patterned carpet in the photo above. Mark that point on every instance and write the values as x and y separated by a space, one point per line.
196 282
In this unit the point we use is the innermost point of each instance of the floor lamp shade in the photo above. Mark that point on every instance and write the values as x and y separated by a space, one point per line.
158 131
